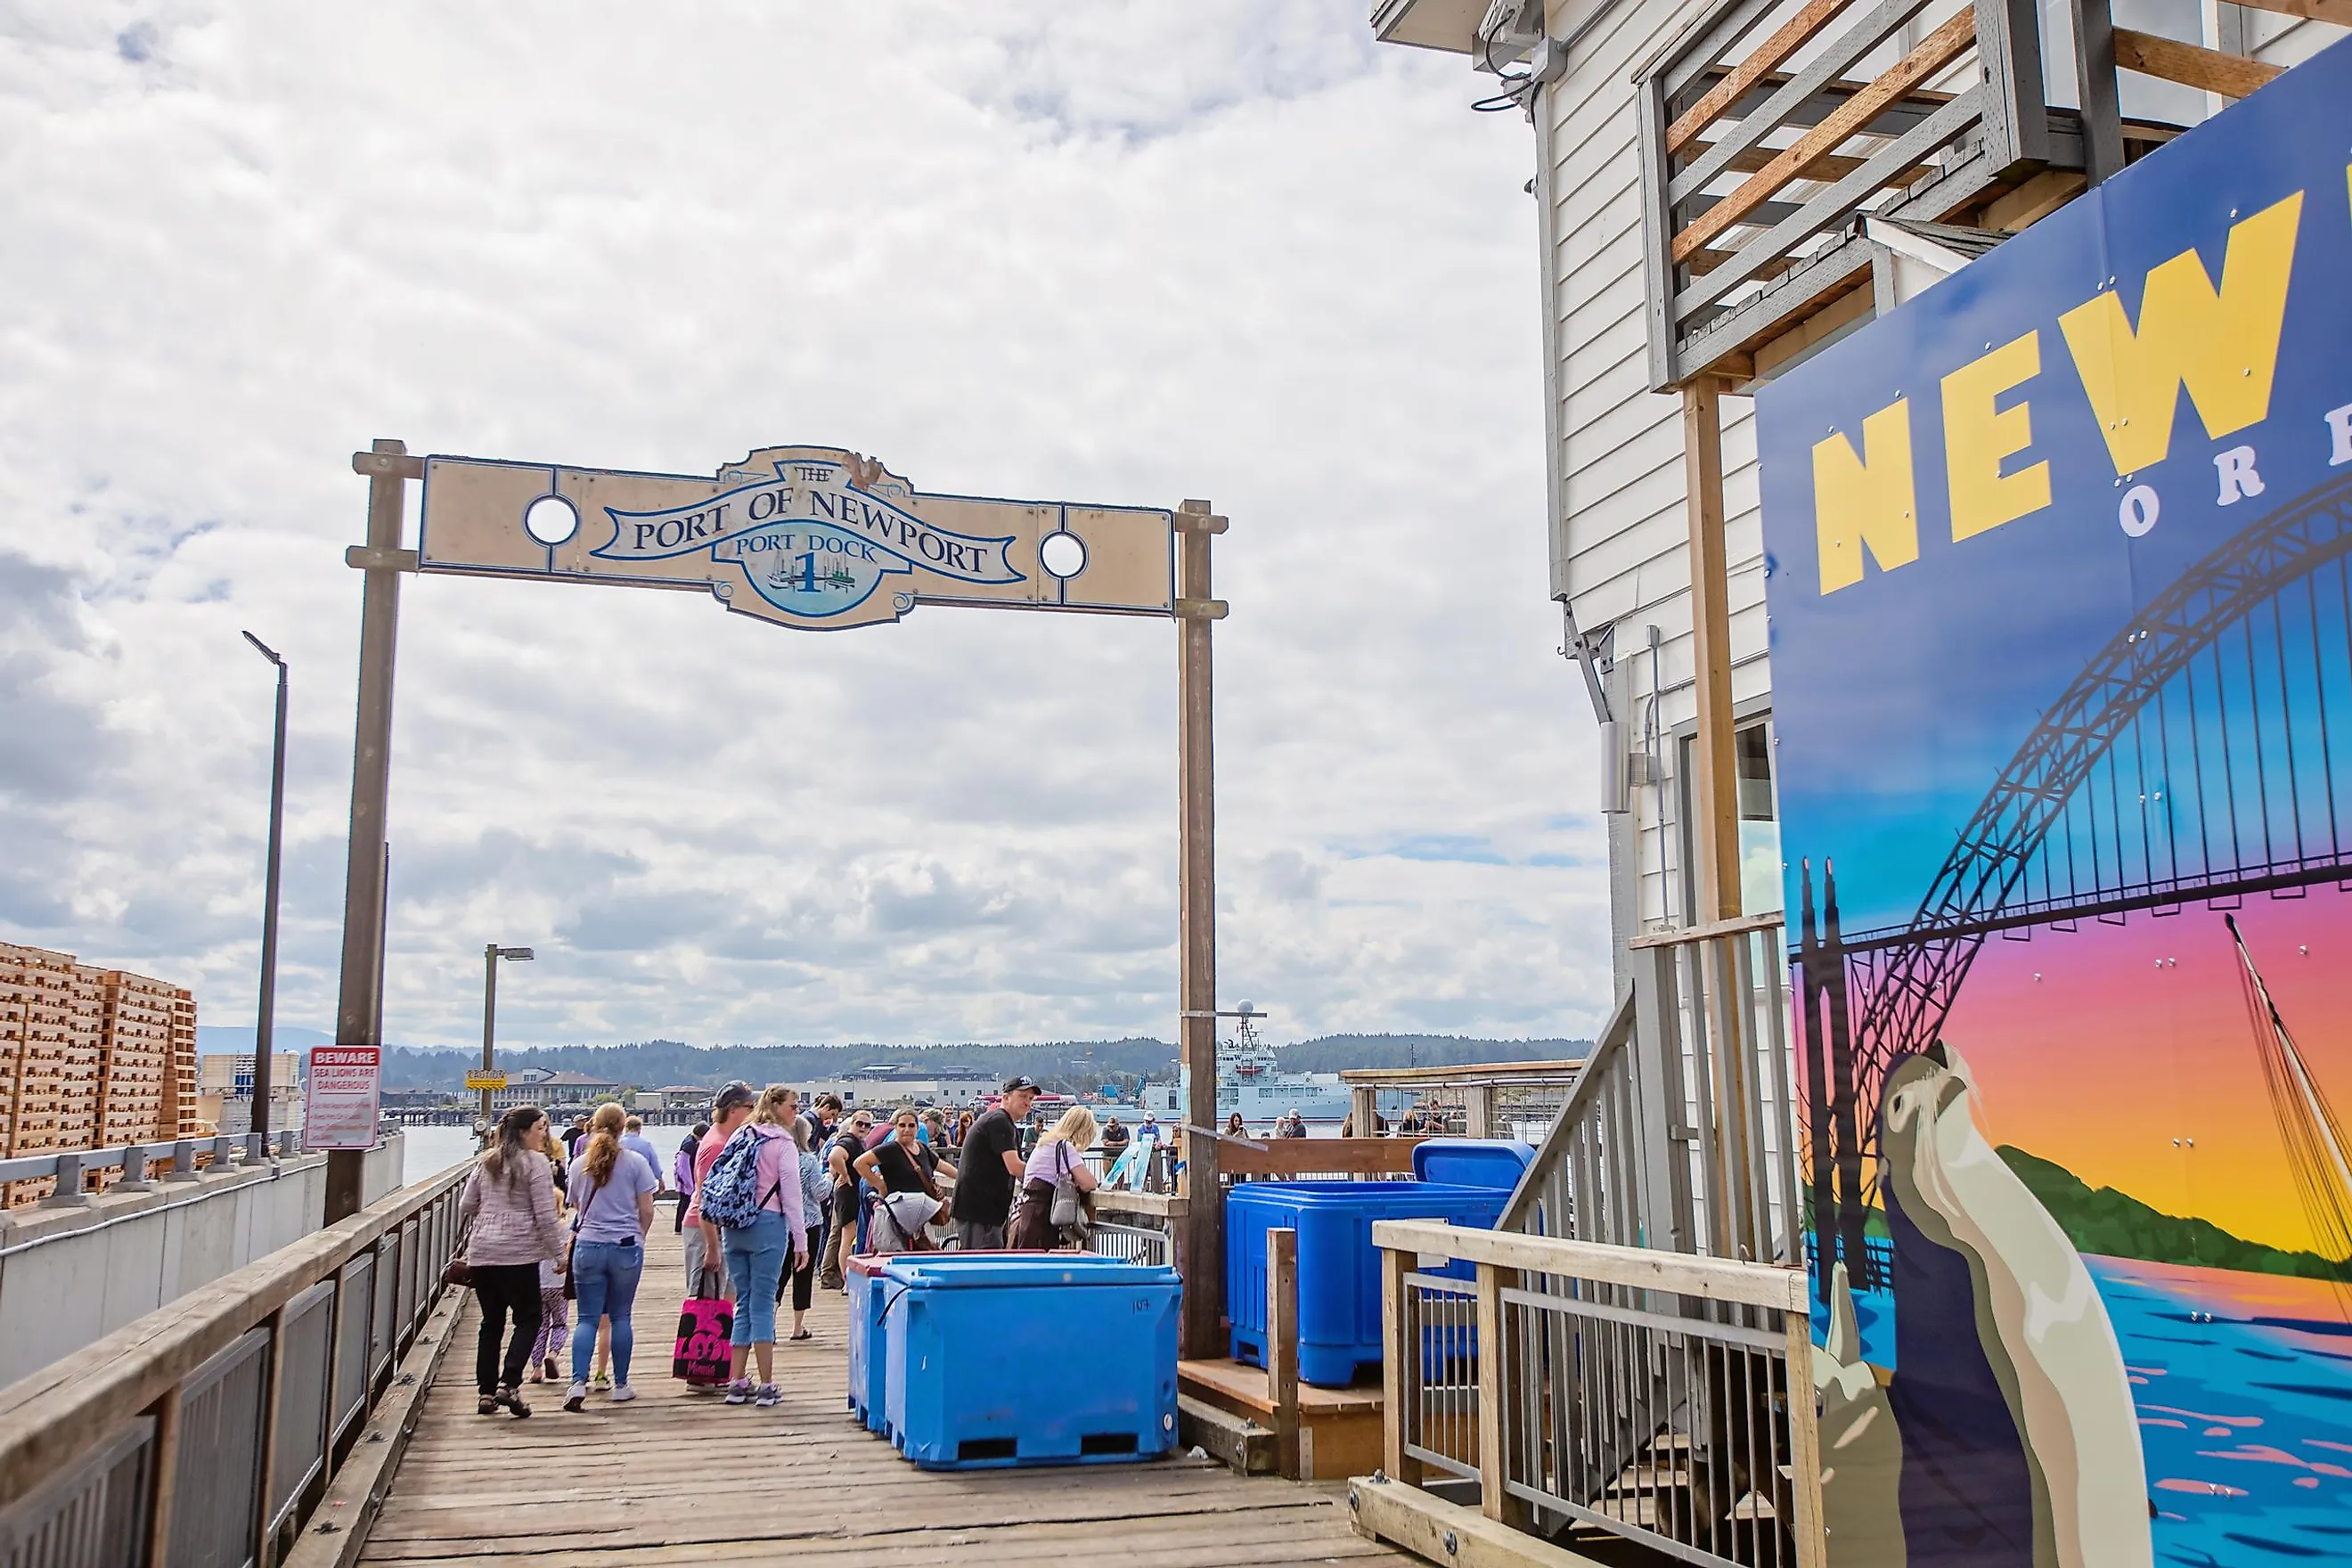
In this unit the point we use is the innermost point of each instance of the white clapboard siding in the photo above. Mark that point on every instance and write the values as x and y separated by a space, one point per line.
1618 540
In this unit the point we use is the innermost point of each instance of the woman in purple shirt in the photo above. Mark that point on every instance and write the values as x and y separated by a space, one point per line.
611 1190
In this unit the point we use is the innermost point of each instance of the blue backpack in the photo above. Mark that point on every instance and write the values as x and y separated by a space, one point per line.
731 1194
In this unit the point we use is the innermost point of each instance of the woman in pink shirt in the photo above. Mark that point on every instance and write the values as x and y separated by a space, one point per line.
755 1252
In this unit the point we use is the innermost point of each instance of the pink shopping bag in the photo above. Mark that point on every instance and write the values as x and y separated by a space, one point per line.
705 1325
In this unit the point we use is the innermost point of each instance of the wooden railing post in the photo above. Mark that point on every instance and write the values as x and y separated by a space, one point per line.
1804 1443
1282 1345
1478 1111
1494 1387
1400 1368
167 1469
265 1551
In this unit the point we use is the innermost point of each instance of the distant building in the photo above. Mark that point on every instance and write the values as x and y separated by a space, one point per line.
895 1085
542 1086
674 1097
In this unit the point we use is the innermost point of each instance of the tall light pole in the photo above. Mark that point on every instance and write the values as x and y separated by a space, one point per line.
257 1142
491 954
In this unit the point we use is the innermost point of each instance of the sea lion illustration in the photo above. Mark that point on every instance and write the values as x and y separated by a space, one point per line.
1862 1451
1986 1286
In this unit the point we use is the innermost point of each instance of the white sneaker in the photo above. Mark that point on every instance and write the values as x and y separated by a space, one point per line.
622 1394
577 1397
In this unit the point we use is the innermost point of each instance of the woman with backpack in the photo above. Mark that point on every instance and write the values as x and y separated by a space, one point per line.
612 1189
508 1212
754 1195
1059 1158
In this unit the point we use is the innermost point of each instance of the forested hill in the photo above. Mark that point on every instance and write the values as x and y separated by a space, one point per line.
1068 1065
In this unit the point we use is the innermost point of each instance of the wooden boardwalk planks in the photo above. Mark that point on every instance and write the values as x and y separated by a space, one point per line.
679 1477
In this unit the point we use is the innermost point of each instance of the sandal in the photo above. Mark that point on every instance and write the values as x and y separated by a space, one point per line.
511 1401
489 1406
804 1334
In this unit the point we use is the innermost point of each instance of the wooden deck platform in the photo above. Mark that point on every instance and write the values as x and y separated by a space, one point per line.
677 1477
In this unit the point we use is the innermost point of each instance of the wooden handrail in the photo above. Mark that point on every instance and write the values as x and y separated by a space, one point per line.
1642 1268
1579 1099
1683 936
50 1419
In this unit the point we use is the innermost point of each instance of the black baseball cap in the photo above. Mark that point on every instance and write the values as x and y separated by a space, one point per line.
733 1095
1018 1082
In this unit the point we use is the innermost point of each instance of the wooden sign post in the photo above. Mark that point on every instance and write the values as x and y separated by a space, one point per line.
817 539
1201 1246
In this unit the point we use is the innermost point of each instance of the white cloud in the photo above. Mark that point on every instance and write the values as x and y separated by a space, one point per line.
1130 252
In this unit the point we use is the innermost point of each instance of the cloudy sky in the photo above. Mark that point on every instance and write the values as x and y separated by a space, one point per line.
1128 252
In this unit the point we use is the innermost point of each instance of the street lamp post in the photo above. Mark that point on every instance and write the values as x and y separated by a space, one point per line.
257 1144
491 954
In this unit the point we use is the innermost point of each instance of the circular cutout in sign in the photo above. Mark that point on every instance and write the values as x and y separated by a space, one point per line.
1063 553
551 519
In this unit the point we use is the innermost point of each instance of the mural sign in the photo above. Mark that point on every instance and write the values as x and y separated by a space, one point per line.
2058 581
811 537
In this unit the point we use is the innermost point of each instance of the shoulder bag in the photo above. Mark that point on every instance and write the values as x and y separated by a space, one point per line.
1069 1209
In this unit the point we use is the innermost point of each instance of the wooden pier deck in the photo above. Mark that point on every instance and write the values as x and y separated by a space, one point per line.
678 1477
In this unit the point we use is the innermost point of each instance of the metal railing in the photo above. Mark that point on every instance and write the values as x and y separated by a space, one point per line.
1572 1384
73 1169
1138 1226
203 1434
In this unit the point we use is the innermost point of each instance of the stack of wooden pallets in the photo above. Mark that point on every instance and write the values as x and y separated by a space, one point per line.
139 1091
89 1058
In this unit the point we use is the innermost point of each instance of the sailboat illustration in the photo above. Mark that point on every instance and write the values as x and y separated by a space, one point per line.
2314 1136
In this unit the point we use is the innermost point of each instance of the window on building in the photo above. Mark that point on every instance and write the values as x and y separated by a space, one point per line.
1759 826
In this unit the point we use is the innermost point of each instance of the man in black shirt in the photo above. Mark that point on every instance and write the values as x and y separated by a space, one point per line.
841 1162
990 1169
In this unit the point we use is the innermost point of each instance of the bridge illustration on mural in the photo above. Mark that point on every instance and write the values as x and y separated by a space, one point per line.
2193 759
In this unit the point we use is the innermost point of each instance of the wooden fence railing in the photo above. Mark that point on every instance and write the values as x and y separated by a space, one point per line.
1525 1379
204 1433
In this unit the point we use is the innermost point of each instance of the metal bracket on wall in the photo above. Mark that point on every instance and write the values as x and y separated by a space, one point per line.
1594 653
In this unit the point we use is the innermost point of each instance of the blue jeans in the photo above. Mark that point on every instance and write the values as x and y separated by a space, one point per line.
604 1280
755 1261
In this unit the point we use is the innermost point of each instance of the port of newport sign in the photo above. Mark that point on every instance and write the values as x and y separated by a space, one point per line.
812 537
820 539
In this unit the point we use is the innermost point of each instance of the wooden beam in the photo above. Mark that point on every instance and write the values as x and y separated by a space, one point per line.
1939 49
1313 1156
1642 1268
1681 936
1384 1509
1282 1345
1752 160
2191 65
1793 35
1715 792
1853 305
2339 12
2015 211
1460 1073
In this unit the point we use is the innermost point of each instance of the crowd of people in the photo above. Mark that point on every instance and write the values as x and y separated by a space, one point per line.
770 1197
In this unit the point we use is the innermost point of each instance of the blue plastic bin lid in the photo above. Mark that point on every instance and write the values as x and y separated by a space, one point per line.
1051 1270
1473 1162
